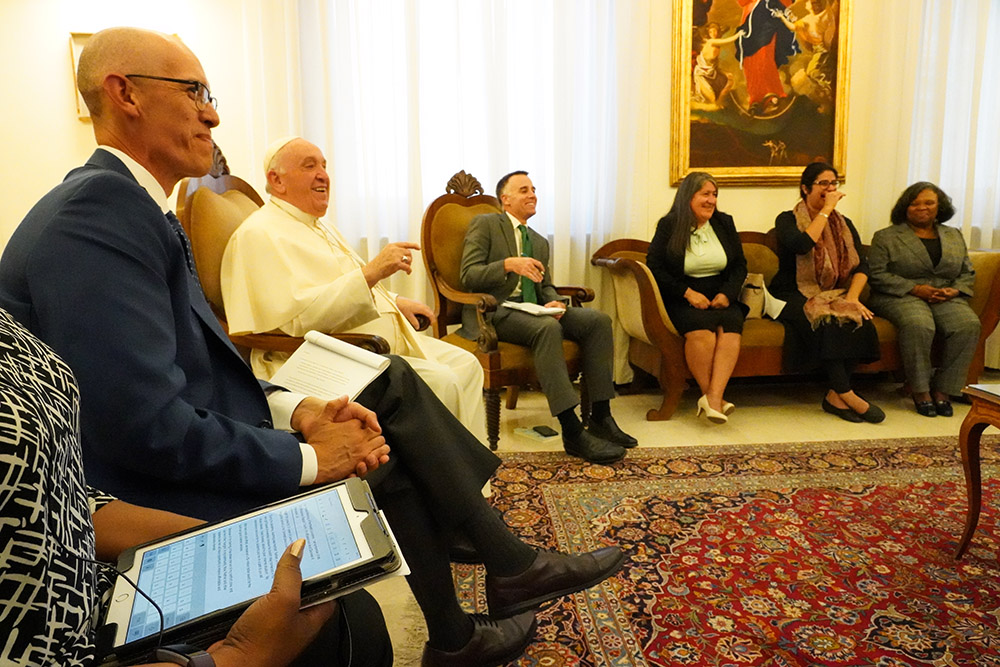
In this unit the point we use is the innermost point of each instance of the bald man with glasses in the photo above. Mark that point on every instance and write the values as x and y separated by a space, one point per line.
171 415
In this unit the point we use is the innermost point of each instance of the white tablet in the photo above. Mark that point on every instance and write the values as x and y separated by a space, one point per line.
204 578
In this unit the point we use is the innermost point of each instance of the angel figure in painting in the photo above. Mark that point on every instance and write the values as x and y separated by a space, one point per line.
710 85
815 33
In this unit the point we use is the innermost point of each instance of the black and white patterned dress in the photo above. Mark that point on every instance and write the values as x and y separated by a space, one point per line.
47 597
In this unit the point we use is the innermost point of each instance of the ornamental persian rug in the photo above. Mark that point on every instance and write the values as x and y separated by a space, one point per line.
789 554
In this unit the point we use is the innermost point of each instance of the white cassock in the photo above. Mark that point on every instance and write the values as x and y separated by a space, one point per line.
285 269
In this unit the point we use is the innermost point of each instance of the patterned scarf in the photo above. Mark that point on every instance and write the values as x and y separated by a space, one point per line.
824 274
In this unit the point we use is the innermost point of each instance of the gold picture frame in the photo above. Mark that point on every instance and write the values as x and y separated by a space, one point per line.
78 40
758 120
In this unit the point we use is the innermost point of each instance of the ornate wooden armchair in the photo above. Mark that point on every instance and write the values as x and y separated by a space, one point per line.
210 209
505 365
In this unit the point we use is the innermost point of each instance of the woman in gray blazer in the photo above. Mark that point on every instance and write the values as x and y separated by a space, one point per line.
921 281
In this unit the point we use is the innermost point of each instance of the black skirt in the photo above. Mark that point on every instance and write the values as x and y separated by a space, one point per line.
806 348
686 317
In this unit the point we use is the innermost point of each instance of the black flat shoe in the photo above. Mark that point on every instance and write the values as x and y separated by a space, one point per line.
925 408
943 408
846 414
873 415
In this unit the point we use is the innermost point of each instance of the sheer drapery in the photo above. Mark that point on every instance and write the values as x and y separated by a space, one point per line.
404 94
956 136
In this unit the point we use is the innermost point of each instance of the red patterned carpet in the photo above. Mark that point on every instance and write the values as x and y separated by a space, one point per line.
788 554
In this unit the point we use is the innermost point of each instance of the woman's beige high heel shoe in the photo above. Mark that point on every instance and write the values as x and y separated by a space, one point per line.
727 408
714 416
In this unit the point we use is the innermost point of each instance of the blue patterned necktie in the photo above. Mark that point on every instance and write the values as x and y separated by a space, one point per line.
527 287
185 243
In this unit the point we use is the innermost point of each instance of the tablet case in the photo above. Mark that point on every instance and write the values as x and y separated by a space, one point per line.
213 626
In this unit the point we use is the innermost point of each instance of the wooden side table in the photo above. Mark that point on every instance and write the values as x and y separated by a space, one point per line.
985 411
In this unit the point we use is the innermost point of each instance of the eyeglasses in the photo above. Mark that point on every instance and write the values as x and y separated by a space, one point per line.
826 184
200 93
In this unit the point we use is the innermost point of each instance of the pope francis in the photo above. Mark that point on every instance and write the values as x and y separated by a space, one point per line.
286 269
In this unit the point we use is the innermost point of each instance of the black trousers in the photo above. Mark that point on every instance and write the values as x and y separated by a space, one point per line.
355 636
432 454
430 486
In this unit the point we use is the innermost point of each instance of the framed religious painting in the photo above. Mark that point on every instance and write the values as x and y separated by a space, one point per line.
759 88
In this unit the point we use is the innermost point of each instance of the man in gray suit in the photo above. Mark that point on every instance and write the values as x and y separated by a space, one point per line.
504 257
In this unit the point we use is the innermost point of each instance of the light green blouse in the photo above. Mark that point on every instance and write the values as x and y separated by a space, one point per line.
705 255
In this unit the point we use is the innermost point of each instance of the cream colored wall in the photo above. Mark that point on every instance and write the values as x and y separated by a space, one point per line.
244 43
41 135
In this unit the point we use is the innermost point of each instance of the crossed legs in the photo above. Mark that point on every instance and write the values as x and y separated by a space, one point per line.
429 489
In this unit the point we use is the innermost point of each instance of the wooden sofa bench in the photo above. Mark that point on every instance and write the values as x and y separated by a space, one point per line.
655 346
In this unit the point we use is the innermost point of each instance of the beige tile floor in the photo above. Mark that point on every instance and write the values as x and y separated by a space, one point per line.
765 413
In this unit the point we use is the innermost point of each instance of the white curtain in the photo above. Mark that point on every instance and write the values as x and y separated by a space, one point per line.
956 136
404 93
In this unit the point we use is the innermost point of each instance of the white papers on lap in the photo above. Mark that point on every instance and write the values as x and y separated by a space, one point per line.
532 308
327 367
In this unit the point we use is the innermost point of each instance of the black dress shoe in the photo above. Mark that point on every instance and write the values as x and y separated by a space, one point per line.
846 414
608 429
493 643
925 408
552 575
943 408
592 448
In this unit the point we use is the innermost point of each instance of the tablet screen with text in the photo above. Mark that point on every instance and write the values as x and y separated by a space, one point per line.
233 562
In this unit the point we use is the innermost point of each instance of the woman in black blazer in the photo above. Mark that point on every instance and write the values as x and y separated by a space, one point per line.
697 260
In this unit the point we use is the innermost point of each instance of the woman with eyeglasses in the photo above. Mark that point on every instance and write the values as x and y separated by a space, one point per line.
821 273
922 280
697 260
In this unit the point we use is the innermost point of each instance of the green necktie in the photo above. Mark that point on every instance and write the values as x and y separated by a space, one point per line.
527 287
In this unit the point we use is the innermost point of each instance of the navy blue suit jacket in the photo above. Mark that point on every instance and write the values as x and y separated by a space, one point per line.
170 413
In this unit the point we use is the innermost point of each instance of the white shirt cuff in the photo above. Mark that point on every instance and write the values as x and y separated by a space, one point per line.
310 468
283 404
